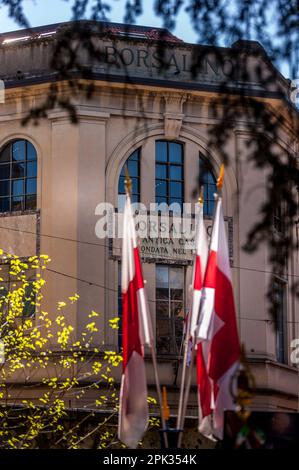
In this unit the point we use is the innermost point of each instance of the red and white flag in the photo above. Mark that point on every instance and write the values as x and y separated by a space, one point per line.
218 350
136 332
204 382
198 270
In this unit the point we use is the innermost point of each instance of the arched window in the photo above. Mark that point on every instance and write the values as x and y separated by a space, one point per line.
210 187
18 175
133 163
169 173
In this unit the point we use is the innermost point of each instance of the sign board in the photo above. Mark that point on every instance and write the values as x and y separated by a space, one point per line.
171 249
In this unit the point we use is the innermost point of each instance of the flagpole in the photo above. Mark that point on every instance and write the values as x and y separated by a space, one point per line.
128 188
184 396
182 399
160 400
182 388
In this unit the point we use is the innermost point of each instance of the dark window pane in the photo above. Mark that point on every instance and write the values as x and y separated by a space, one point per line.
18 150
161 188
4 172
205 192
29 308
5 154
163 327
135 185
177 310
162 293
169 332
31 186
175 172
176 189
32 169
134 156
4 188
121 185
161 151
175 153
135 198
18 170
162 309
205 174
17 203
17 187
162 276
4 289
168 190
163 344
211 178
31 202
4 204
176 294
176 279
133 168
209 187
177 313
211 192
31 152
161 171
163 336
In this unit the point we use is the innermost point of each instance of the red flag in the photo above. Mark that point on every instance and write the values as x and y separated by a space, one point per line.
133 414
219 350
204 386
198 270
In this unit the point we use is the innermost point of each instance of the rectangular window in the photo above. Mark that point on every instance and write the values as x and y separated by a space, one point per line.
169 308
169 173
278 217
279 291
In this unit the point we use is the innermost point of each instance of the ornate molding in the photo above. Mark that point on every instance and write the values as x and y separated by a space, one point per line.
173 116
83 114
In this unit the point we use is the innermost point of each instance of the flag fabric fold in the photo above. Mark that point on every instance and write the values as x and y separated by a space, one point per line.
133 413
199 269
203 380
218 348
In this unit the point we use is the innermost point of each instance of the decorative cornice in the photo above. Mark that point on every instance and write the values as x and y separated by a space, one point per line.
83 114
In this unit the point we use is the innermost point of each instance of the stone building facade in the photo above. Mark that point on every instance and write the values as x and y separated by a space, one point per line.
159 124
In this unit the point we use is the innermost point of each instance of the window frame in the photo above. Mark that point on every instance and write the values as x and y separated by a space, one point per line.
174 349
168 180
278 218
28 200
135 196
281 330
204 164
